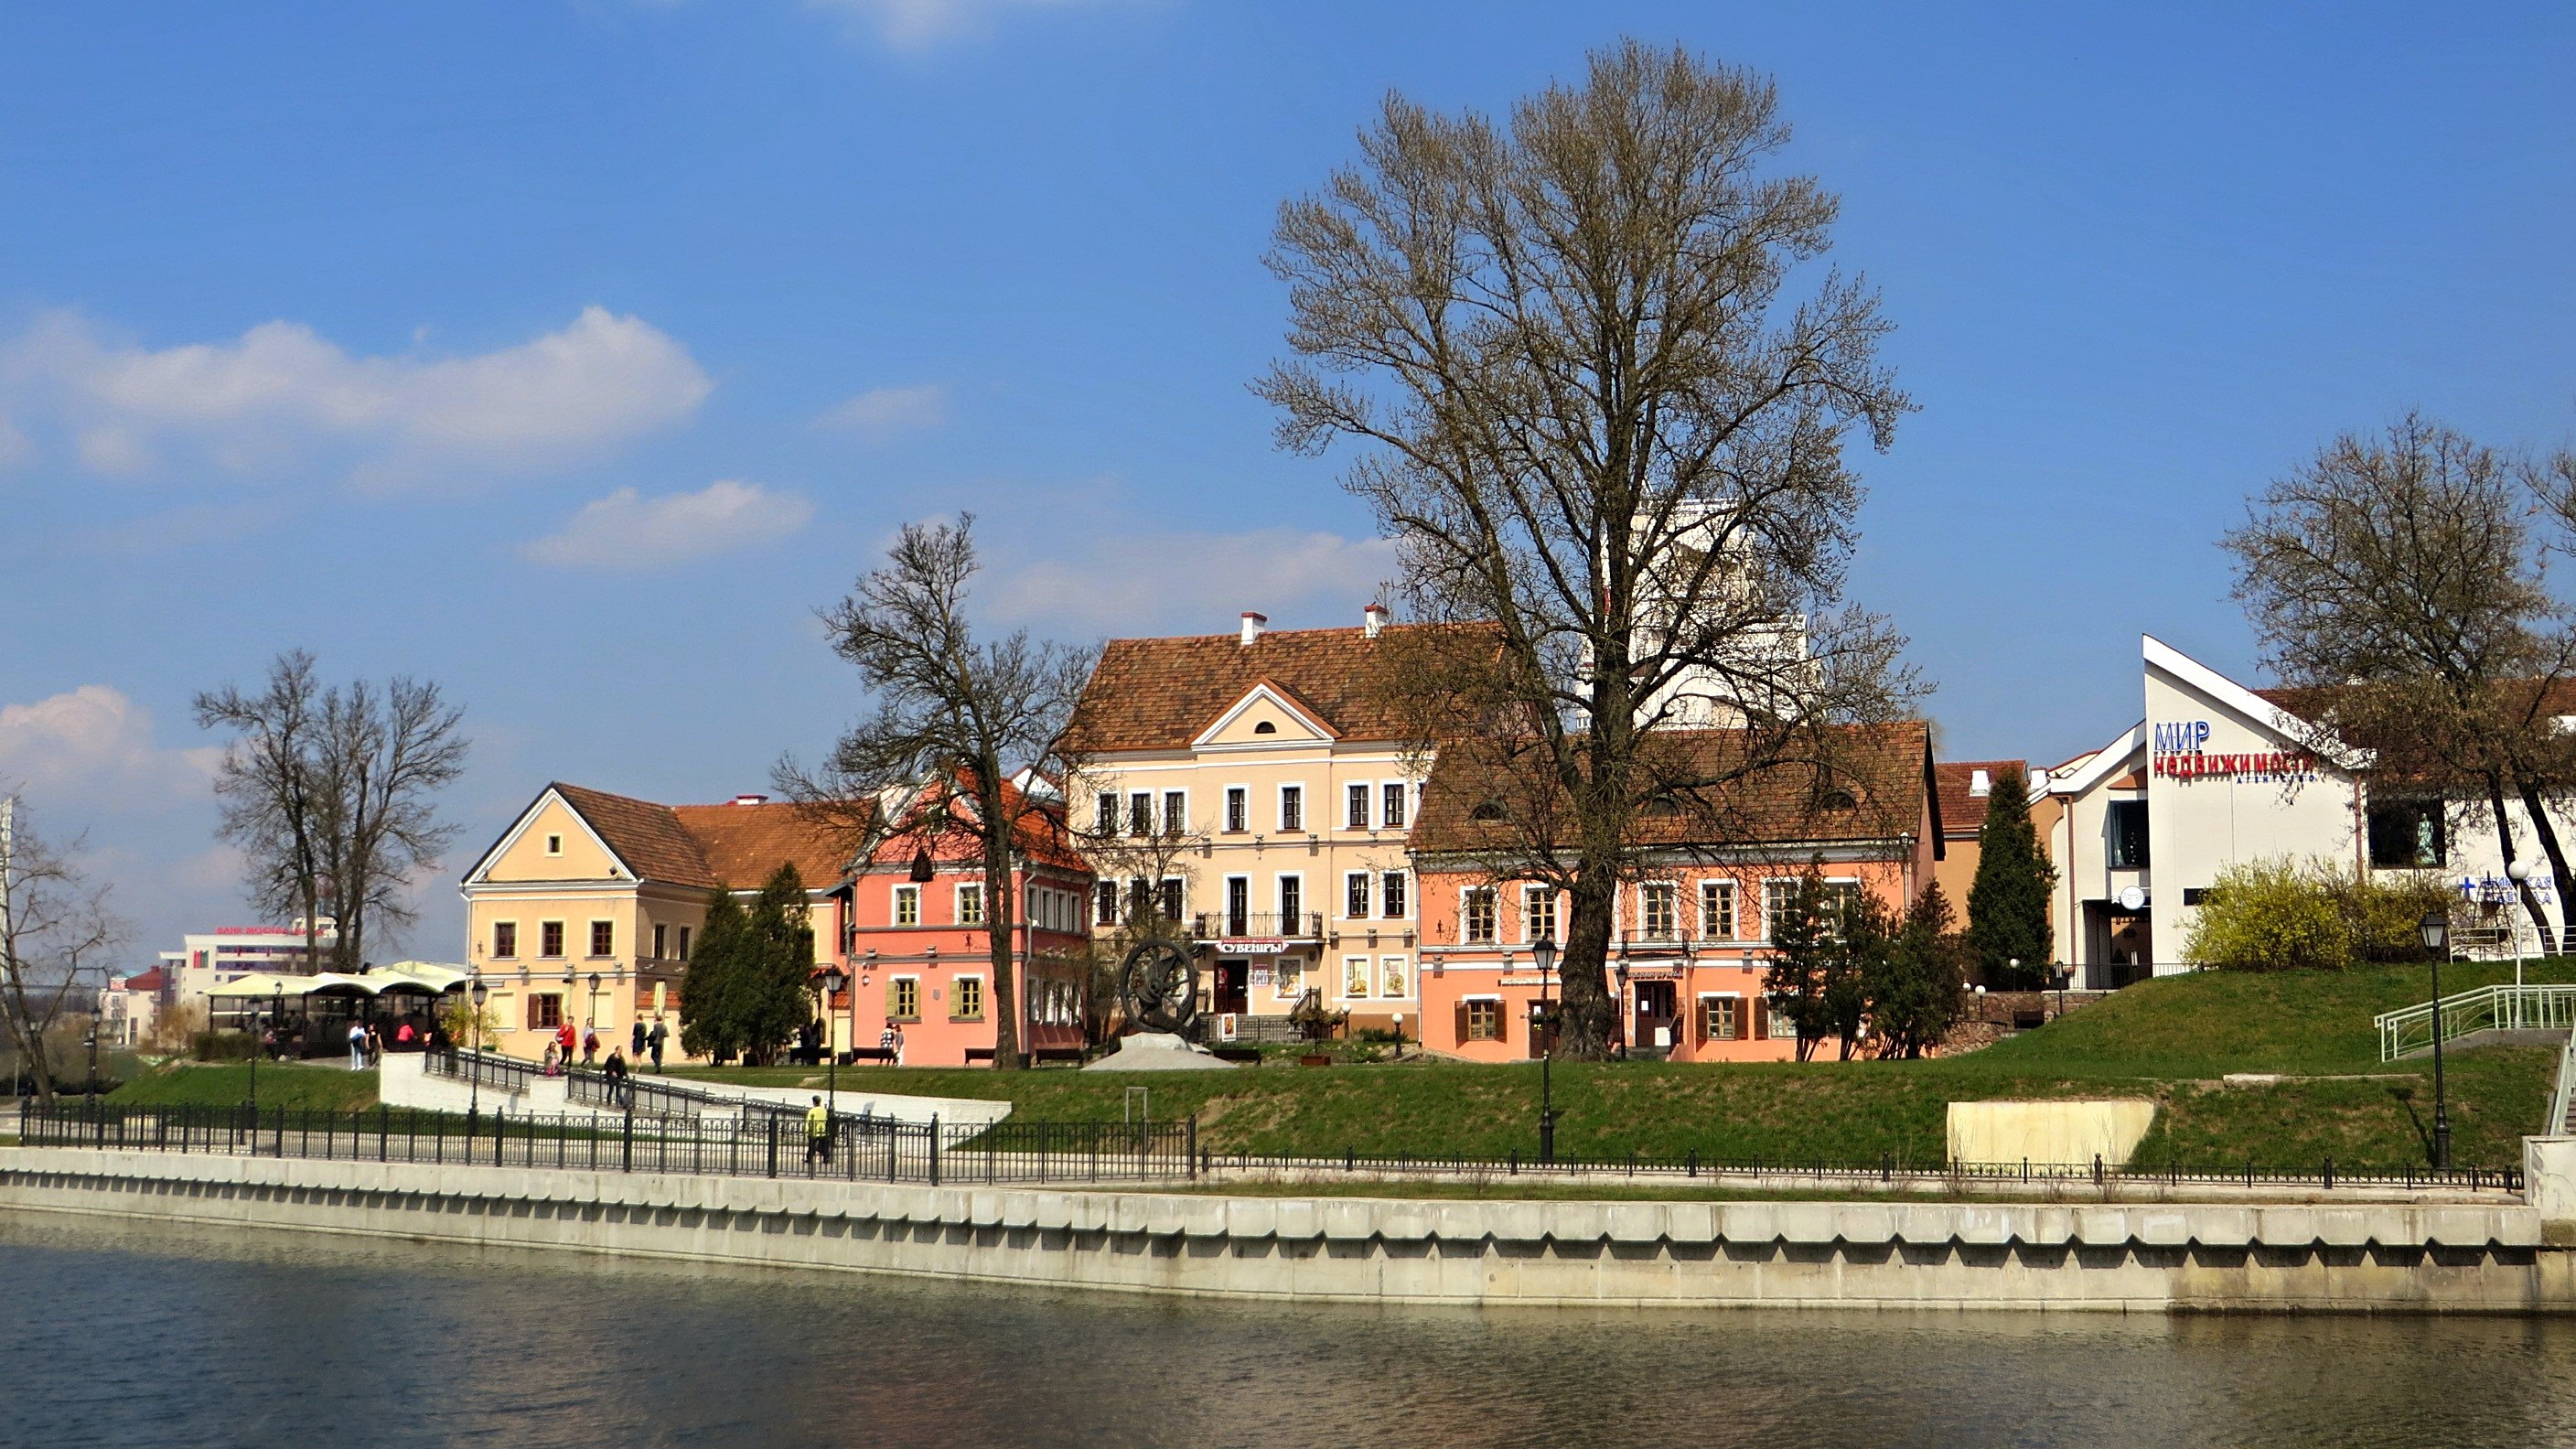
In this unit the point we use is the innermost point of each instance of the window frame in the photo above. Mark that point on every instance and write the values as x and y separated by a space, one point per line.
1282 886
1292 807
1140 814
1395 978
505 940
1238 809
957 993
550 934
1367 893
600 950
2123 849
1484 1018
1665 894
1546 896
1394 895
543 1004
1471 900
1732 1004
1394 808
965 891
1718 890
1176 812
685 934
1365 978
906 901
895 992
1356 793
1104 814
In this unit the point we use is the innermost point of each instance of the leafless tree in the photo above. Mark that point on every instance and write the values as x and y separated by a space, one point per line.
2397 580
329 793
1600 415
962 750
55 935
1131 860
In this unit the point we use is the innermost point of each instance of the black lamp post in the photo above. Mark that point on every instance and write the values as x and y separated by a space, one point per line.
1544 951
257 1045
2436 927
831 979
474 1067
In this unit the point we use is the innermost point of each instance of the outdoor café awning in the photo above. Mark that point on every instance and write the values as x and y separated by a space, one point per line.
416 979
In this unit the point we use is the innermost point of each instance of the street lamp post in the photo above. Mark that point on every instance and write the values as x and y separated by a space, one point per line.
2518 872
474 1067
257 1035
832 979
2436 927
1544 951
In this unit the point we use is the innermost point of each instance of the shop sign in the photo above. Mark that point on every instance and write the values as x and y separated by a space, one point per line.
2496 890
1252 945
2178 752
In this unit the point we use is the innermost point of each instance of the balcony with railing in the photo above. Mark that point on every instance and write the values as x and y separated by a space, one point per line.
1259 925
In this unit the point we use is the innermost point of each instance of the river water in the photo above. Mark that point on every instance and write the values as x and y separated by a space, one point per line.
132 1334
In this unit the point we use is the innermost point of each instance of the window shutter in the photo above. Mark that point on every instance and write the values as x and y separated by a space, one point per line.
1761 1019
889 1002
1462 1022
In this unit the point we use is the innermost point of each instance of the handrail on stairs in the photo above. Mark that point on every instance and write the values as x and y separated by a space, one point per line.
2501 1007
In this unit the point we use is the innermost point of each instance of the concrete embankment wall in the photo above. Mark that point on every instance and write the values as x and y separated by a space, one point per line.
2163 1257
405 1081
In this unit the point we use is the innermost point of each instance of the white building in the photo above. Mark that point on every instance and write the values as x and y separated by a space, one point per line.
2218 774
229 953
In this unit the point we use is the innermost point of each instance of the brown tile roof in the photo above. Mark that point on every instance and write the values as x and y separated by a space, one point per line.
737 846
1963 814
1884 766
1150 694
1043 839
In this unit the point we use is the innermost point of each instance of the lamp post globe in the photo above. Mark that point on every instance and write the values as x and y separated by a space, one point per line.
479 993
2436 930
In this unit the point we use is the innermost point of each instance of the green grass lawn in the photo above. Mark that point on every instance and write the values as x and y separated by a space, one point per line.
2170 1040
331 1087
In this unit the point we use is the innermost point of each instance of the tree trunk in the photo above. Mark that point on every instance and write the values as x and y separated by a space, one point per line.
1585 1006
2558 871
1000 914
2530 897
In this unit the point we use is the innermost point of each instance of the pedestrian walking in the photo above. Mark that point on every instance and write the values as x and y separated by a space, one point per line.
661 1034
818 1134
553 1061
357 1047
564 1043
590 1044
375 1046
620 1093
635 1049
898 1044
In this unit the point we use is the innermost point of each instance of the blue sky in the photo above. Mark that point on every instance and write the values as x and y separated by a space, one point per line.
570 352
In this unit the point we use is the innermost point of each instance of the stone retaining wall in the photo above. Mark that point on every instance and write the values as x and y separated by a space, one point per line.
2123 1257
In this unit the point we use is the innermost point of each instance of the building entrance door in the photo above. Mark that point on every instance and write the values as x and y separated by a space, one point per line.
1230 990
1655 1018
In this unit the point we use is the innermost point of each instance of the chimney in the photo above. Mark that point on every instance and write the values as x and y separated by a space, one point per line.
1980 784
1253 624
1372 619
751 799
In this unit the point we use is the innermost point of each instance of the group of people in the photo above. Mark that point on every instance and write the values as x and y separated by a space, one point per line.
647 1042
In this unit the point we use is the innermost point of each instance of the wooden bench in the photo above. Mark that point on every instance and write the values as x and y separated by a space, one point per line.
1236 1054
856 1055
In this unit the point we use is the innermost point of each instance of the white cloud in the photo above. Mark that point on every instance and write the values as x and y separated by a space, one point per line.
881 413
1196 583
627 530
94 748
281 389
920 24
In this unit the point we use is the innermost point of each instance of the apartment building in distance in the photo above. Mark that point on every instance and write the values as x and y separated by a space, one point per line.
1269 765
226 954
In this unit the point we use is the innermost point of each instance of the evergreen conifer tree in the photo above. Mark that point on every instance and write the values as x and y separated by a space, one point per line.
1800 943
1914 998
710 1010
774 993
2008 900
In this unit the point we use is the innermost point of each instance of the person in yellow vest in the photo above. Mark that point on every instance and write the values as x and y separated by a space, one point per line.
818 1132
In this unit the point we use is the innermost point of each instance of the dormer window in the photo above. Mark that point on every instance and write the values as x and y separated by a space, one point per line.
1841 800
1488 809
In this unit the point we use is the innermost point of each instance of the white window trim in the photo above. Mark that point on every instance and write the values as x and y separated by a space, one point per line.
1305 902
1345 904
1735 910
1183 882
957 905
894 910
1115 798
554 845
1496 897
1400 963
1767 881
920 1001
983 999
1225 902
1305 808
1153 807
1527 891
1368 805
1368 978
1407 789
1405 876
1187 815
564 944
1225 821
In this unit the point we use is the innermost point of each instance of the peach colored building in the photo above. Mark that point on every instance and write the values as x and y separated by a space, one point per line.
1965 786
919 950
1268 760
1691 939
586 907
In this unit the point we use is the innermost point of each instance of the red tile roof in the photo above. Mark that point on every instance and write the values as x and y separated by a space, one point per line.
736 846
1883 766
1963 814
1155 694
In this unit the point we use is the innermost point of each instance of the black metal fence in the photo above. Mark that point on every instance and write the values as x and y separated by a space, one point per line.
856 1149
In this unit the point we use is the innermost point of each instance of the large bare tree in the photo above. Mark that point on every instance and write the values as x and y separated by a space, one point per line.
329 791
55 934
2398 580
962 750
1601 379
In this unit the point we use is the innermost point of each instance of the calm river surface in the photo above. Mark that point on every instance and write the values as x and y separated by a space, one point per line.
142 1335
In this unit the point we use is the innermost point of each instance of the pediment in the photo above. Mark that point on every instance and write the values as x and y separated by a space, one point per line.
1267 715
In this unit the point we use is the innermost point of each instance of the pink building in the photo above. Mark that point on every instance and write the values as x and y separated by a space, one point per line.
1691 934
919 949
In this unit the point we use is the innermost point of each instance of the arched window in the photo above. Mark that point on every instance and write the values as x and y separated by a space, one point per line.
1265 728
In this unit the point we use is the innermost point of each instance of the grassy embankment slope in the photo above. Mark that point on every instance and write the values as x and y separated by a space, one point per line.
325 1086
2171 1040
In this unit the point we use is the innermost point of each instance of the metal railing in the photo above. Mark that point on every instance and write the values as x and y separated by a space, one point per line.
856 1149
2562 1094
1294 926
507 1074
654 1097
2502 1007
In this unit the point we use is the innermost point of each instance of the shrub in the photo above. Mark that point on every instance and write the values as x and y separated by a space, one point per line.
2320 915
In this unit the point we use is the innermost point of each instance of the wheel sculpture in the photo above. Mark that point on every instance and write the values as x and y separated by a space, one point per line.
1158 983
